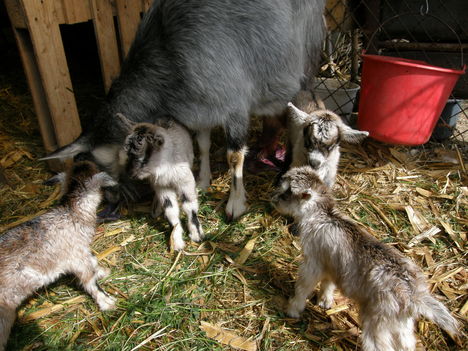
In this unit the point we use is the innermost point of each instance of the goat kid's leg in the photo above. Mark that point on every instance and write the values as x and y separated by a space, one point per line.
156 208
325 299
88 272
403 333
168 200
204 143
190 206
237 203
376 335
7 318
309 276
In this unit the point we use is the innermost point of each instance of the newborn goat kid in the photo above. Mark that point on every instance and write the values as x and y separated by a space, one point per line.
389 288
315 136
36 253
164 155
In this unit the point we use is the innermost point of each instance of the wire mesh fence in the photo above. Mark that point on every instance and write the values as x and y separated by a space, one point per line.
434 31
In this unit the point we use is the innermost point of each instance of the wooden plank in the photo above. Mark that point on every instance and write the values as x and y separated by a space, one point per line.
128 16
15 12
146 5
106 40
37 92
76 11
53 69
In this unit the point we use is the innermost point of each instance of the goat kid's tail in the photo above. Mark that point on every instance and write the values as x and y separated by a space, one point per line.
7 318
436 312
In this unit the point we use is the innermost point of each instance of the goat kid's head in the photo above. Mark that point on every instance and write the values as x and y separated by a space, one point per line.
144 140
297 189
323 131
81 177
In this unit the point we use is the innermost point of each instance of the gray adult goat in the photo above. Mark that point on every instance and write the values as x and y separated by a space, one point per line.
208 63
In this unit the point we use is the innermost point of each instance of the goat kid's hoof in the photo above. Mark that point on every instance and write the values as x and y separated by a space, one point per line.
103 272
178 245
106 303
293 312
197 237
325 303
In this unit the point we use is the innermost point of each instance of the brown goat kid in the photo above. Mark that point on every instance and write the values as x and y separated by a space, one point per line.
389 288
36 253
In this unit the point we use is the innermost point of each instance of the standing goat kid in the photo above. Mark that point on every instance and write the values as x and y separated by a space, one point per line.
36 253
315 135
163 154
388 287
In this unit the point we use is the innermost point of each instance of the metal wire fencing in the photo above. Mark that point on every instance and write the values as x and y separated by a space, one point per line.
434 31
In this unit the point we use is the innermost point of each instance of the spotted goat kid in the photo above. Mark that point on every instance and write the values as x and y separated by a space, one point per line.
389 288
36 253
315 135
163 154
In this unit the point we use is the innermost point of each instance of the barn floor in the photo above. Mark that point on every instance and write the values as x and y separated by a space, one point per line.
230 290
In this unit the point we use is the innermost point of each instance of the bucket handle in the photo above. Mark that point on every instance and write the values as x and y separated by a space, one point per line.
424 14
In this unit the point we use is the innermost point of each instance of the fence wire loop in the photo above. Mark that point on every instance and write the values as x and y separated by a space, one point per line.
427 15
424 11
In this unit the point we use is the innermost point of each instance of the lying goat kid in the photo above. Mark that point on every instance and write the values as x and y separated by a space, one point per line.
36 253
164 155
389 288
315 136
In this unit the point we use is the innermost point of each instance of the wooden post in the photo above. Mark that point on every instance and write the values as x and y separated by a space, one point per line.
53 69
75 11
106 39
128 14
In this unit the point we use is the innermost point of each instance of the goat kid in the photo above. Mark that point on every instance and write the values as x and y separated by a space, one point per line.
315 135
388 287
36 253
163 154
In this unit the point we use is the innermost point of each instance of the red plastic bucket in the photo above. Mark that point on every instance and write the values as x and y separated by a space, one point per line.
401 100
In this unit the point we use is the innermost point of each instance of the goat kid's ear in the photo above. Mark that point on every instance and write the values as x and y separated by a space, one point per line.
351 135
297 116
80 145
105 180
58 178
126 122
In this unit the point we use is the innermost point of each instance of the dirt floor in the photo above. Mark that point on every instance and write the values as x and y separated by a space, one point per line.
228 292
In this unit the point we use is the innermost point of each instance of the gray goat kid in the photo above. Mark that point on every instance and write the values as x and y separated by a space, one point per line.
164 154
36 253
315 135
389 288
